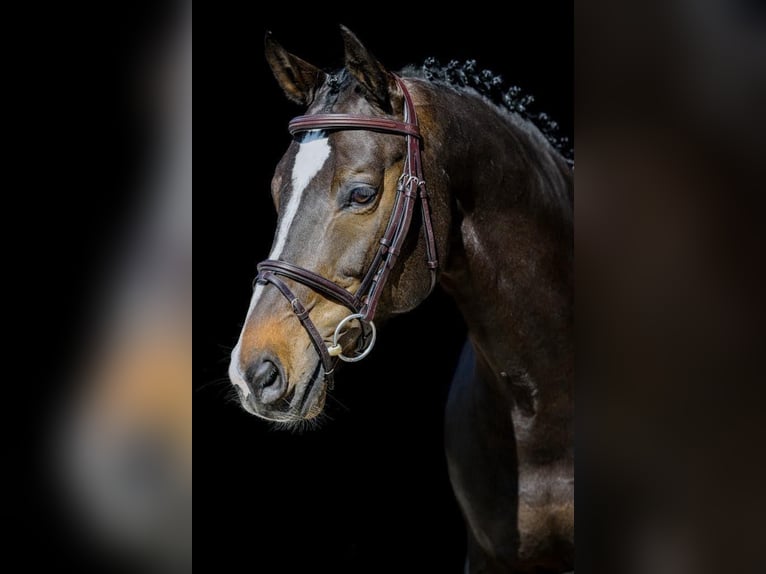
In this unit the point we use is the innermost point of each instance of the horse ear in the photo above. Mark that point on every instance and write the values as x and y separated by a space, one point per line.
370 73
299 80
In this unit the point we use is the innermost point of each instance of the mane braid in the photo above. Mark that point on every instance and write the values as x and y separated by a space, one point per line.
490 85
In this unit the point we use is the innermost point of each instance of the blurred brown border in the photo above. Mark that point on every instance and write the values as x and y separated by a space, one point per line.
670 249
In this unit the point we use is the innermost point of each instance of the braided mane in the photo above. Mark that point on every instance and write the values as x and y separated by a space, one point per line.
488 84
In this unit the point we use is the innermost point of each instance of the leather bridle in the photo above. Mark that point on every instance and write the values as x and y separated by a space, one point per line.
363 303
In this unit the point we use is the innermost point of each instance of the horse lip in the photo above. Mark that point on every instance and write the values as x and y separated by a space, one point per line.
301 400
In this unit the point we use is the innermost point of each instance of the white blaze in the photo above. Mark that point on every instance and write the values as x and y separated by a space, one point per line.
311 157
312 154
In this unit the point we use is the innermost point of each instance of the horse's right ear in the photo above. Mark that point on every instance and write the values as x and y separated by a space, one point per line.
299 80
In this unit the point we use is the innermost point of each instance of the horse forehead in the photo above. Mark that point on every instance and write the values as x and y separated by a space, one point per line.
310 157
304 163
311 164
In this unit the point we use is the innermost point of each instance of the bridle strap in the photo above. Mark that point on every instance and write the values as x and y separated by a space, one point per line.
303 316
312 280
351 122
411 187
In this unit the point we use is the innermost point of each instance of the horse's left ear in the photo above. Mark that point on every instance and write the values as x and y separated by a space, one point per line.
299 80
377 81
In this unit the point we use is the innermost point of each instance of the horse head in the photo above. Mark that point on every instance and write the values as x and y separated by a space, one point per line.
337 193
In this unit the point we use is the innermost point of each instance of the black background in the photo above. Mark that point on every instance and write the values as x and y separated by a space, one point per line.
369 490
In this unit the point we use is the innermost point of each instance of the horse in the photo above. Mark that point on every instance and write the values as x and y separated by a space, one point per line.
495 232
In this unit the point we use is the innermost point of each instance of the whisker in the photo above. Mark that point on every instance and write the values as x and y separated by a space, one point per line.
338 402
218 381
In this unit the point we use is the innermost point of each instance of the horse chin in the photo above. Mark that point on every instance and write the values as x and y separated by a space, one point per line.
317 406
306 416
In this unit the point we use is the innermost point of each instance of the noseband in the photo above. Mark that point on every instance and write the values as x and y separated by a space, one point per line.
363 303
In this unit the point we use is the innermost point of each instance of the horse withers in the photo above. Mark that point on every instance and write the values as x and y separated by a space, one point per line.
495 218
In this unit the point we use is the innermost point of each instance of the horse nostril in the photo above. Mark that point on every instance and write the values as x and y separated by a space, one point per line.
267 382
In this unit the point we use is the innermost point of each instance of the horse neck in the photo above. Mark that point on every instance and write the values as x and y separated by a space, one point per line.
509 262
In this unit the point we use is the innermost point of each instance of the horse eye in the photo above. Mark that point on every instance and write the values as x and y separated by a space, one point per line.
362 195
